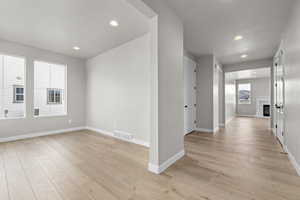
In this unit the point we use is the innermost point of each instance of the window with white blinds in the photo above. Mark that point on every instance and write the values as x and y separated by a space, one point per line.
12 87
49 89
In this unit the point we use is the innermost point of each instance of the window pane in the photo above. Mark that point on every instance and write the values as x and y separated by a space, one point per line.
12 72
244 93
51 96
57 96
20 97
19 90
49 80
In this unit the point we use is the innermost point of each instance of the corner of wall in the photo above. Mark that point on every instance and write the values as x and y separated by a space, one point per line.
158 169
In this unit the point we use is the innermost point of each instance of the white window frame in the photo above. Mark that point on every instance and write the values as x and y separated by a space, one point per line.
65 92
250 95
24 86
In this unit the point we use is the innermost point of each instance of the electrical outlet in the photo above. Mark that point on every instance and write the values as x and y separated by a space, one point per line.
70 121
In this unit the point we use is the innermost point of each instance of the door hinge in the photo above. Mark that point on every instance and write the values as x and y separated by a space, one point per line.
276 126
195 105
195 88
195 122
195 71
275 84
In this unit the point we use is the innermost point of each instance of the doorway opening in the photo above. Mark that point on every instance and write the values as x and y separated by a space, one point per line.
248 93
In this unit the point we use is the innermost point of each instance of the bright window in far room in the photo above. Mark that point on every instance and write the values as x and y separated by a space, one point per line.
244 91
18 94
12 87
54 96
50 89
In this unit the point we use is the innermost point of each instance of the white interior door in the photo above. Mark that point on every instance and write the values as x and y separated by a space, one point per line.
279 98
189 95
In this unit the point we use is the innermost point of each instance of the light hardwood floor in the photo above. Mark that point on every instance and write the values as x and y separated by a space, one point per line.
242 162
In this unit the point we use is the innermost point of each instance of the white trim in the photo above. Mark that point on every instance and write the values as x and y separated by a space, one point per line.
97 130
111 134
252 116
204 130
33 135
293 160
261 117
216 129
161 168
274 131
229 120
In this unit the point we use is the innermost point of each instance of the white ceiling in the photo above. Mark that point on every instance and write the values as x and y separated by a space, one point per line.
249 74
211 25
58 25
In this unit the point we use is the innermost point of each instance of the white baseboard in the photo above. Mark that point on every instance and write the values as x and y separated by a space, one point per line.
293 161
204 130
216 129
262 117
33 135
274 131
161 168
252 116
229 120
111 134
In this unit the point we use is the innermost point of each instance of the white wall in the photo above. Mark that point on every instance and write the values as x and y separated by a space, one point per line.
260 87
170 82
76 93
230 98
209 89
217 98
291 47
118 89
205 93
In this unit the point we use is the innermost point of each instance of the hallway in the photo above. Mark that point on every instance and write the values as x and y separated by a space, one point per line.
244 161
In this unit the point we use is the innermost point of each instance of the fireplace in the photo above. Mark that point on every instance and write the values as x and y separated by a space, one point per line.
267 110
263 107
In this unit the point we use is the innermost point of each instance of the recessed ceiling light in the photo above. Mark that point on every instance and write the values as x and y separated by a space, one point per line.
238 37
244 56
114 23
76 48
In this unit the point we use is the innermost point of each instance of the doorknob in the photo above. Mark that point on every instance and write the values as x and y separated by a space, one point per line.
186 106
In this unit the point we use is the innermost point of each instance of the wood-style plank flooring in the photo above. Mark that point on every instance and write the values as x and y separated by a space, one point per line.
243 162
